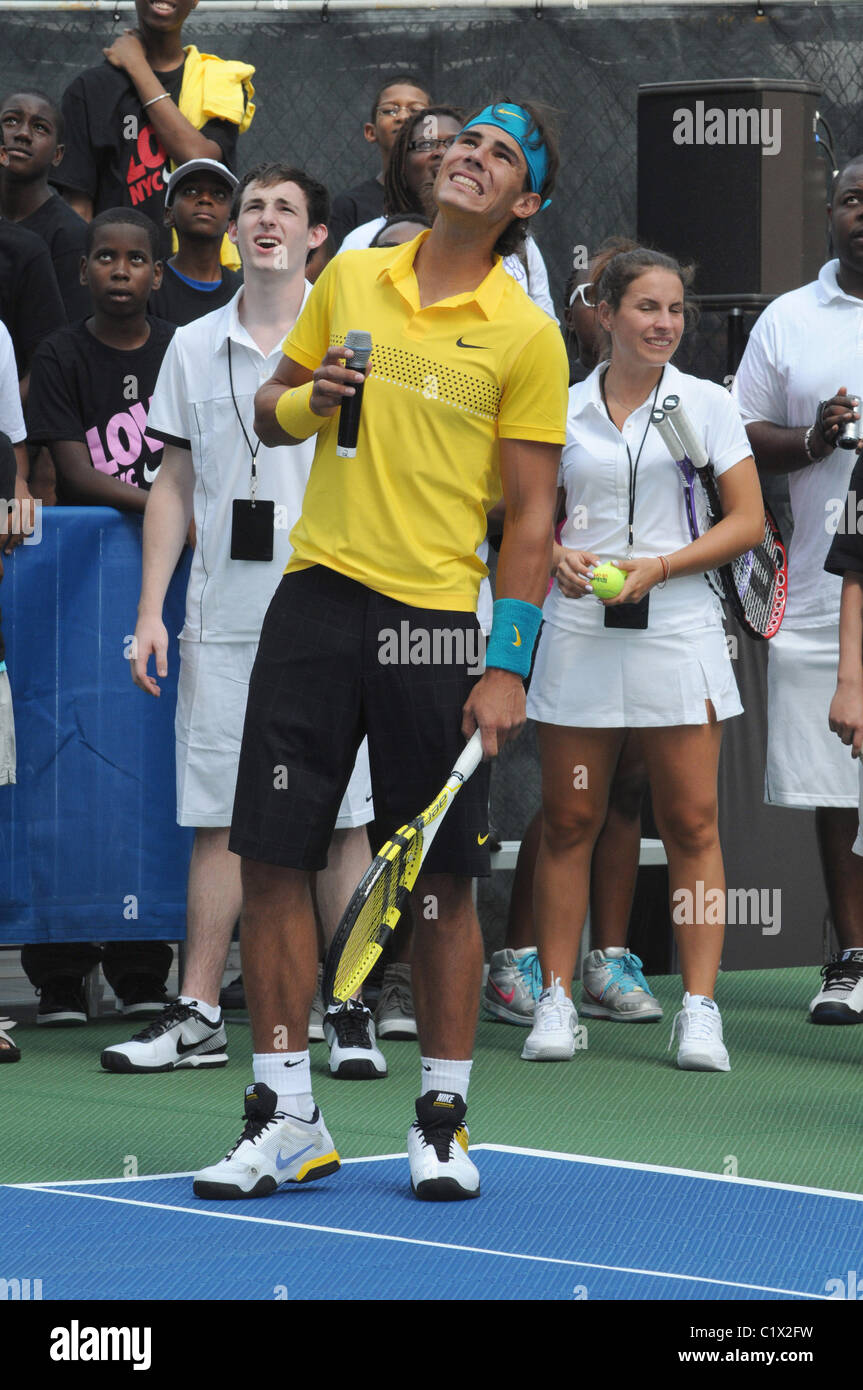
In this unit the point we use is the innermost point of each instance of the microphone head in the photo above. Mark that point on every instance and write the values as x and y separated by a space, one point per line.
360 344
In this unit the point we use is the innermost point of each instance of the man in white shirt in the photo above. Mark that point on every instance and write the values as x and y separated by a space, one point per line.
244 499
806 347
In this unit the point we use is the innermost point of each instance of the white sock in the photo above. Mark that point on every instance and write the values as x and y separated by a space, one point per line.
441 1074
212 1013
289 1074
694 1001
852 951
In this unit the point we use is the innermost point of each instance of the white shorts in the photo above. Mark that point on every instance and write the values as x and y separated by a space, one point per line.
806 764
7 733
631 680
857 846
211 707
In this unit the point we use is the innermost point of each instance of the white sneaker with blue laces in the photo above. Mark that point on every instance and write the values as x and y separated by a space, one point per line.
698 1028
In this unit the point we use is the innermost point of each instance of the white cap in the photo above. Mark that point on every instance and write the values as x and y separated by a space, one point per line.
192 166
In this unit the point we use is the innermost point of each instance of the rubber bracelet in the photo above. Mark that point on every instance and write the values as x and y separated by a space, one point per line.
513 635
294 414
163 96
666 570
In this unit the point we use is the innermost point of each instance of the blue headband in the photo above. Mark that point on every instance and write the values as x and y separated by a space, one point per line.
516 122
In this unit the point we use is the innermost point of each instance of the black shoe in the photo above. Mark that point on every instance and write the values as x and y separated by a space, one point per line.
840 999
233 996
61 1002
141 996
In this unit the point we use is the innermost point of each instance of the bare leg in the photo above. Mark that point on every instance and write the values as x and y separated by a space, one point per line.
682 763
213 905
347 860
614 868
520 929
447 965
577 766
836 828
280 956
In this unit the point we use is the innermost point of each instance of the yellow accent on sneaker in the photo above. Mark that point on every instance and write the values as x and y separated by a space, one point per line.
461 1137
319 1167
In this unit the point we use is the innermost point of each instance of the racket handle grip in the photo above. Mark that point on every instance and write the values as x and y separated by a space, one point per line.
669 436
470 758
687 435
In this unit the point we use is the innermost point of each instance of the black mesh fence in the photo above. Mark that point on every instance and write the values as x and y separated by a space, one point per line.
315 82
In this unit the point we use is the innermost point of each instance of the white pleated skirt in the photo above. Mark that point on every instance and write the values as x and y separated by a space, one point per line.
631 680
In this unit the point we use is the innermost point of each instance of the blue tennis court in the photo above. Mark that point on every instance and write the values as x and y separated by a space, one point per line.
548 1226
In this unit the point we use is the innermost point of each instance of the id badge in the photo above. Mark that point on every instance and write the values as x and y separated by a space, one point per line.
252 530
632 616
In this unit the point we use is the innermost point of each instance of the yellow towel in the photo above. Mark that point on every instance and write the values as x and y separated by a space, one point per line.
217 89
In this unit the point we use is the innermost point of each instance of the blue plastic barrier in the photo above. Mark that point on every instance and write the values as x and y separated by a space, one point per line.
89 845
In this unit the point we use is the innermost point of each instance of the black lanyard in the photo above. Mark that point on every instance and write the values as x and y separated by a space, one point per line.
633 468
254 452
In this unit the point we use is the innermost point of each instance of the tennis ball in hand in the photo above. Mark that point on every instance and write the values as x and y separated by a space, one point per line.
607 581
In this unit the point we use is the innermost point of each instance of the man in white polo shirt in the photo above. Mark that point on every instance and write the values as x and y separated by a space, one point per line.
805 349
245 499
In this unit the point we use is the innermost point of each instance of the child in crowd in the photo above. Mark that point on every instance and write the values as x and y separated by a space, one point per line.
31 129
198 207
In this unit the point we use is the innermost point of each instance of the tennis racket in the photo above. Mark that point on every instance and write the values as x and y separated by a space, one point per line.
378 902
755 584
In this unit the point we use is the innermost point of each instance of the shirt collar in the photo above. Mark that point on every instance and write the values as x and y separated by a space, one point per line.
828 288
589 393
399 269
229 325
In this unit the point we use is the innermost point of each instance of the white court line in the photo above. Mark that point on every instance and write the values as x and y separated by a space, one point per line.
505 1149
414 1240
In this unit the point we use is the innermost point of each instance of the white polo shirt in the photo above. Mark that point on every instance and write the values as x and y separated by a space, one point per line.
805 345
11 414
534 280
594 470
192 408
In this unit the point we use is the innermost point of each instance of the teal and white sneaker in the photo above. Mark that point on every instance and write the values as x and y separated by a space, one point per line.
513 986
612 986
698 1029
552 1038
437 1150
273 1149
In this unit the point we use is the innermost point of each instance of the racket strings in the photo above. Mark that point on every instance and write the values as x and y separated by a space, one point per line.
380 905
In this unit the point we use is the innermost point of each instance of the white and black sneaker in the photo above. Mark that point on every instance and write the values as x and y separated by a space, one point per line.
273 1149
354 1054
840 999
179 1037
437 1150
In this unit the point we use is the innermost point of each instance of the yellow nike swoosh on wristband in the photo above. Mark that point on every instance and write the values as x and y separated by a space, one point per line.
517 639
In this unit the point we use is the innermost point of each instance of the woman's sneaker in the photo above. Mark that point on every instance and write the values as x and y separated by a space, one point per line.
513 986
273 1149
612 986
354 1054
437 1150
698 1028
552 1038
179 1037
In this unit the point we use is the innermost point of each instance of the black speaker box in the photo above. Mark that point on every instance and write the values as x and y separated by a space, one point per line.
730 176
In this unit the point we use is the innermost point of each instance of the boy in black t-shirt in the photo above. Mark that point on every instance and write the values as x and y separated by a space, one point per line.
198 207
145 108
31 130
400 98
91 383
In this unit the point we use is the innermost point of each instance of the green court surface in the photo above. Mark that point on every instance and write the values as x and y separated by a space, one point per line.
790 1110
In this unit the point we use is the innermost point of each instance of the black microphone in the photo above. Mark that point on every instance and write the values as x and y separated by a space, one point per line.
349 416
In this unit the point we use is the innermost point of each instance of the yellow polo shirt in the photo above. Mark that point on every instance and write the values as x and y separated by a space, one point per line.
447 382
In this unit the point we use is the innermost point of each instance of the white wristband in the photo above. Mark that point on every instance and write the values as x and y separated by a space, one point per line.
163 96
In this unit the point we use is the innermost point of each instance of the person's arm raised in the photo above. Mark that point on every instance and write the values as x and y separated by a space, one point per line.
303 410
166 526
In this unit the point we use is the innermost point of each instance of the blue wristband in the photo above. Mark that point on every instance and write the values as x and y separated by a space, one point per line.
513 635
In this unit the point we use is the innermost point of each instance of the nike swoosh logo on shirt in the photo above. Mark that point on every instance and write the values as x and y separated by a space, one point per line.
150 474
460 343
284 1162
481 839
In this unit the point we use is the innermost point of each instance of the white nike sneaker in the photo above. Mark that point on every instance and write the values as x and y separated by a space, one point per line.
273 1149
437 1150
698 1027
179 1037
354 1054
552 1037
